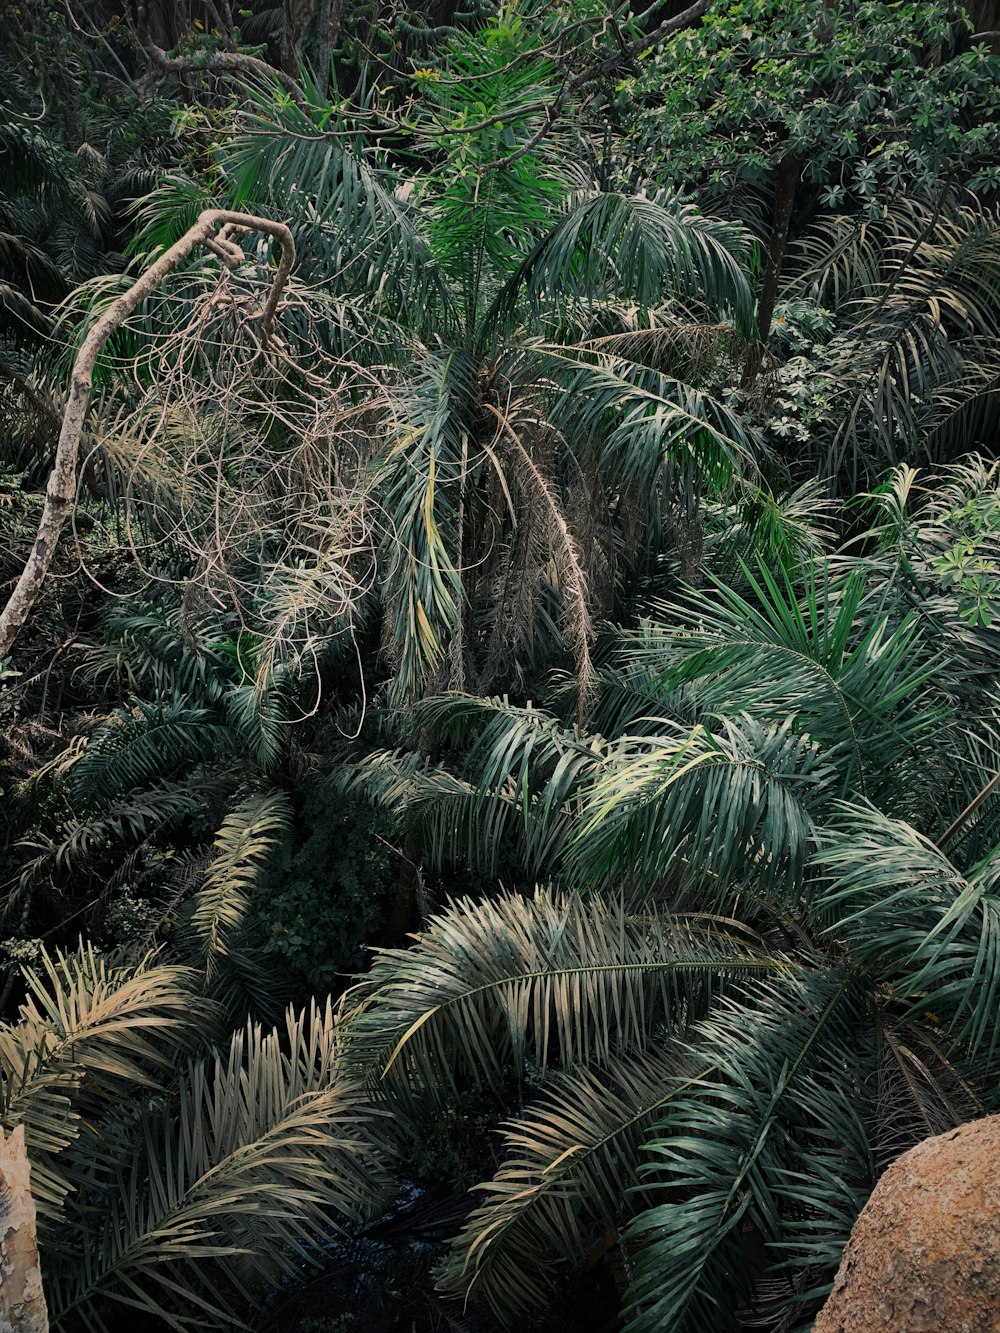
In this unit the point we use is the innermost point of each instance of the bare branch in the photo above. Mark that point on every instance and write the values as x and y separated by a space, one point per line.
61 490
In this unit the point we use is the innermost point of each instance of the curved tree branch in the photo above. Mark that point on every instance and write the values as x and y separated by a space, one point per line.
61 490
220 62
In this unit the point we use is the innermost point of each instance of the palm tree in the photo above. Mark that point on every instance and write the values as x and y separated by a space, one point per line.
528 343
179 1170
773 966
898 314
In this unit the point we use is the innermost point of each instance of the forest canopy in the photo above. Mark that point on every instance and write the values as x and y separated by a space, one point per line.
499 712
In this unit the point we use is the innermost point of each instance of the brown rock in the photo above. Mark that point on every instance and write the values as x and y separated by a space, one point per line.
924 1256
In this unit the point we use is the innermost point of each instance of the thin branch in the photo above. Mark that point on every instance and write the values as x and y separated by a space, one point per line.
968 812
61 490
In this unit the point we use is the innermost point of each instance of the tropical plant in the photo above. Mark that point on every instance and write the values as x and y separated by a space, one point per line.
500 567
859 104
177 1195
767 981
906 365
520 315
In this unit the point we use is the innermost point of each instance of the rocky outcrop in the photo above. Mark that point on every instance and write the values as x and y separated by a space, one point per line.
924 1256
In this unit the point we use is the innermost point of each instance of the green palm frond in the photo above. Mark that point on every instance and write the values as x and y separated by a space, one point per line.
788 528
128 819
657 433
526 774
89 1031
729 798
930 932
726 1157
851 675
155 649
243 846
919 351
551 977
843 256
266 1147
640 247
260 711
167 211
429 436
136 746
570 1162
315 169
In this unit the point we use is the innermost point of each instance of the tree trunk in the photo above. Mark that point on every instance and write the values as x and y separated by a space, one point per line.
22 1300
296 17
61 491
328 26
162 22
784 201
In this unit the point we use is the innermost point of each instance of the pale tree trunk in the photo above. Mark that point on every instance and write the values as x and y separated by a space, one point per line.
22 1300
61 490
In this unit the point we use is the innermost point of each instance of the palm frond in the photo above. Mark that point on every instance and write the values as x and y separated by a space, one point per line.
726 1156
314 167
642 246
852 675
570 1162
266 1148
526 773
658 435
917 350
730 797
243 846
131 817
551 977
428 444
156 649
89 1031
137 746
930 932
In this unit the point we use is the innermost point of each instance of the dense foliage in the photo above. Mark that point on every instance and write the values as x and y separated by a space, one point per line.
543 684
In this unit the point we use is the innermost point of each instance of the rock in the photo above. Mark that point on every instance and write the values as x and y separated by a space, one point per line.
924 1256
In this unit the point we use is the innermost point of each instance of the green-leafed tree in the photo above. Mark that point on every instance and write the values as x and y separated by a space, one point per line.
533 350
881 113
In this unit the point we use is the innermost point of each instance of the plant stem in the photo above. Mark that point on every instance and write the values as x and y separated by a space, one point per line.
968 812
